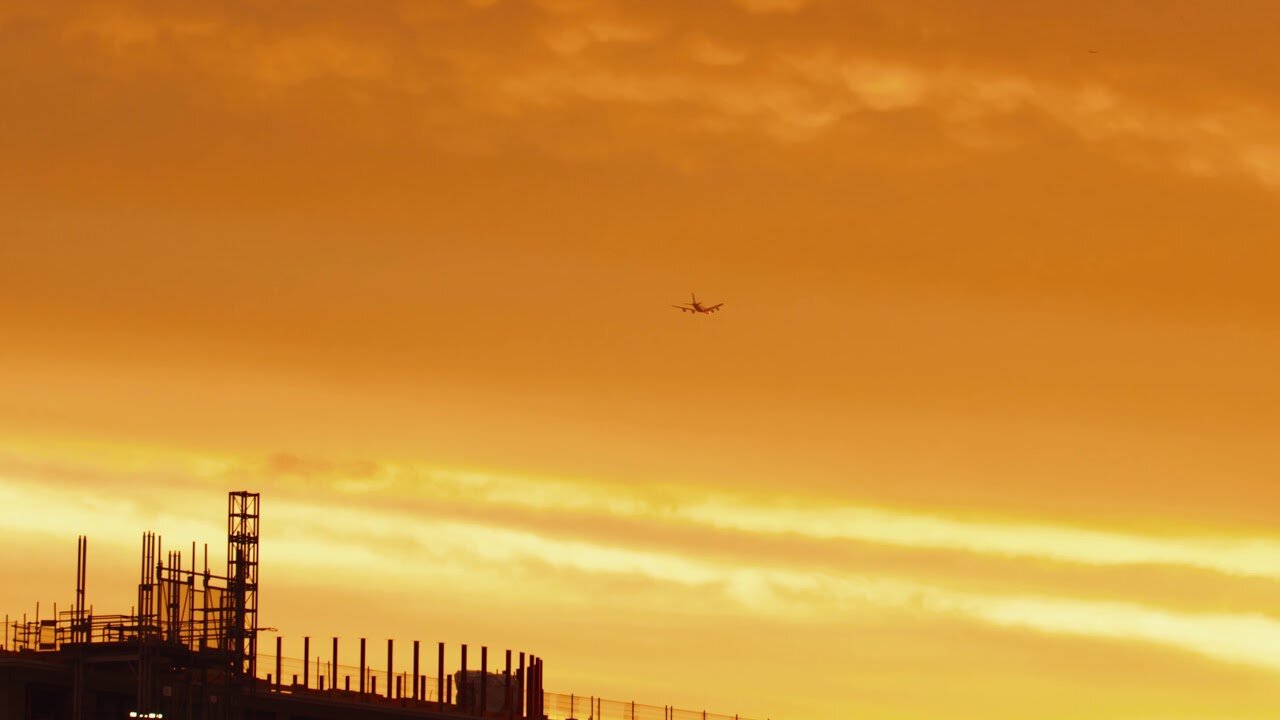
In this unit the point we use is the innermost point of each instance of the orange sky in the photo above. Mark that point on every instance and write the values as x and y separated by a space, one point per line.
986 428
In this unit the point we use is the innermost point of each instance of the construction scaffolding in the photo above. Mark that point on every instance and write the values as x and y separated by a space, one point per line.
189 648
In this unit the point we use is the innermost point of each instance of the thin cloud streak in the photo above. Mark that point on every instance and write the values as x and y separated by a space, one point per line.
1252 557
369 484
1234 556
487 554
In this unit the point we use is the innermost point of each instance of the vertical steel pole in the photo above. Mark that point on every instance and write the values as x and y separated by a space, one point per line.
279 654
524 688
415 670
440 674
536 687
333 674
362 667
484 679
463 694
390 674
306 661
506 688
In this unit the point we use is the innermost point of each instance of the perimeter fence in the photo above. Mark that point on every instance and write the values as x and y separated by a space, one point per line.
293 675
559 706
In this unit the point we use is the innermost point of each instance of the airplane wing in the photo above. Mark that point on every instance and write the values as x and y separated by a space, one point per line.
683 308
715 307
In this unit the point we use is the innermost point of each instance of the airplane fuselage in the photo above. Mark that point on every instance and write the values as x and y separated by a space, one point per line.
697 307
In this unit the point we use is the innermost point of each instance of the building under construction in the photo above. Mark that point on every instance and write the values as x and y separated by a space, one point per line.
189 649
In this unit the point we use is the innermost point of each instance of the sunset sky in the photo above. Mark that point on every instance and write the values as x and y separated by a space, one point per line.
987 427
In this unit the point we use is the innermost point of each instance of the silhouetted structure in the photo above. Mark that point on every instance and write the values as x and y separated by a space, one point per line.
189 649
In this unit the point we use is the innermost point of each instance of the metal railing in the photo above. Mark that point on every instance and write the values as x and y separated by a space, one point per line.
319 676
562 706
50 635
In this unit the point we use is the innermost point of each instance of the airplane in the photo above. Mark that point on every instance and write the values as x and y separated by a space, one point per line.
697 307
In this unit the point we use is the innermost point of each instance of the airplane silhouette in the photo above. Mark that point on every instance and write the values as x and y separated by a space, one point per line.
697 307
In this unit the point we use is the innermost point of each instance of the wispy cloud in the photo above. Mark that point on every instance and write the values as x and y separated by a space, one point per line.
805 87
392 485
772 6
361 530
1248 556
1238 556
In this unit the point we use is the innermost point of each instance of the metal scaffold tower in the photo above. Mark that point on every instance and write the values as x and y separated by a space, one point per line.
242 574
